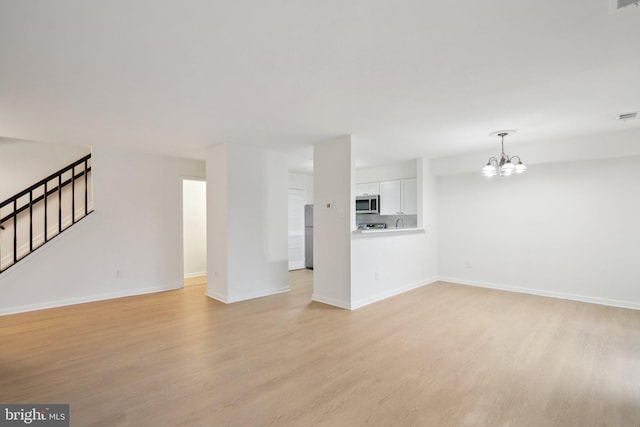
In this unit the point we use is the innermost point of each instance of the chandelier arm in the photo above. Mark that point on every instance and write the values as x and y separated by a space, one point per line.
517 157
494 160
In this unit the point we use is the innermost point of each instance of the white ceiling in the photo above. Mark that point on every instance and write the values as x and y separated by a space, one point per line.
407 78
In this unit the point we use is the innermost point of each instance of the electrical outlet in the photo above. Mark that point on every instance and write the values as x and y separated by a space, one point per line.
467 264
376 275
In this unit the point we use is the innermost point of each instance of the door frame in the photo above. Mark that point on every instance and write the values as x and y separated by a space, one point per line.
303 193
184 178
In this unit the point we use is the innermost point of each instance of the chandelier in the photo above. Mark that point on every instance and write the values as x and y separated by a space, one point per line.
503 165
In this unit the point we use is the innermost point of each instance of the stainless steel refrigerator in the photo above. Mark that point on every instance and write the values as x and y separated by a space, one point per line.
308 236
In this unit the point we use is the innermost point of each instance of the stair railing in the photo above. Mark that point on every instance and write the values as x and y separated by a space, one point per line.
41 192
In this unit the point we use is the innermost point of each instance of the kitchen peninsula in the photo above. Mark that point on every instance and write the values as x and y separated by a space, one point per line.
389 231
356 267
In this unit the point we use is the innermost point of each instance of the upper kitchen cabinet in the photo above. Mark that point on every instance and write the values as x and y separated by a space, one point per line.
390 195
409 200
368 189
396 185
399 197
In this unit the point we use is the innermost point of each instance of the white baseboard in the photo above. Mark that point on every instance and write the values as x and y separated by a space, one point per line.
374 298
245 297
216 296
544 293
383 295
90 298
197 274
331 301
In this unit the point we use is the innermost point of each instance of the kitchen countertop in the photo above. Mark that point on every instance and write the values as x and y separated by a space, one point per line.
387 230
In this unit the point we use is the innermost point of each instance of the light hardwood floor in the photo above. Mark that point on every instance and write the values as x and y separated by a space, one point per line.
195 280
443 354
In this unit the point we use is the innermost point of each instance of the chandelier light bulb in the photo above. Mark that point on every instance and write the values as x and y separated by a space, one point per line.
508 167
489 170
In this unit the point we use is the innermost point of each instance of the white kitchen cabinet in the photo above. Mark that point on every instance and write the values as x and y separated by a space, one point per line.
390 195
398 197
373 188
409 202
368 189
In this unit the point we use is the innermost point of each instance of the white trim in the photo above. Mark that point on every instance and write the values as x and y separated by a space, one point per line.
390 293
196 274
245 297
331 301
182 179
552 294
216 296
299 265
91 298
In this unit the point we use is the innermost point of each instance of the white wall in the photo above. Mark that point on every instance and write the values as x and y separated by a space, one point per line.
247 201
130 245
388 172
302 182
386 264
567 229
333 184
23 163
194 228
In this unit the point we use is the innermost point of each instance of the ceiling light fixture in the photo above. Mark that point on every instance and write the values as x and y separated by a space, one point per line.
503 165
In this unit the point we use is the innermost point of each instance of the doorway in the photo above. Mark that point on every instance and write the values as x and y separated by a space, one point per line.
194 231
296 228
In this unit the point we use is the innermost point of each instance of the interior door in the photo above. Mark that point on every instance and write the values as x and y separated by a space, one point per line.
296 228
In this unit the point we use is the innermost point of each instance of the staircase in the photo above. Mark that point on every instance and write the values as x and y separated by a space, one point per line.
36 215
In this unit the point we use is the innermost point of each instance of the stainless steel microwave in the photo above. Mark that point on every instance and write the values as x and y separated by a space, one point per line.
368 204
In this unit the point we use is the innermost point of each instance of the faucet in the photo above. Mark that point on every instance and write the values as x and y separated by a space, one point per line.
401 221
